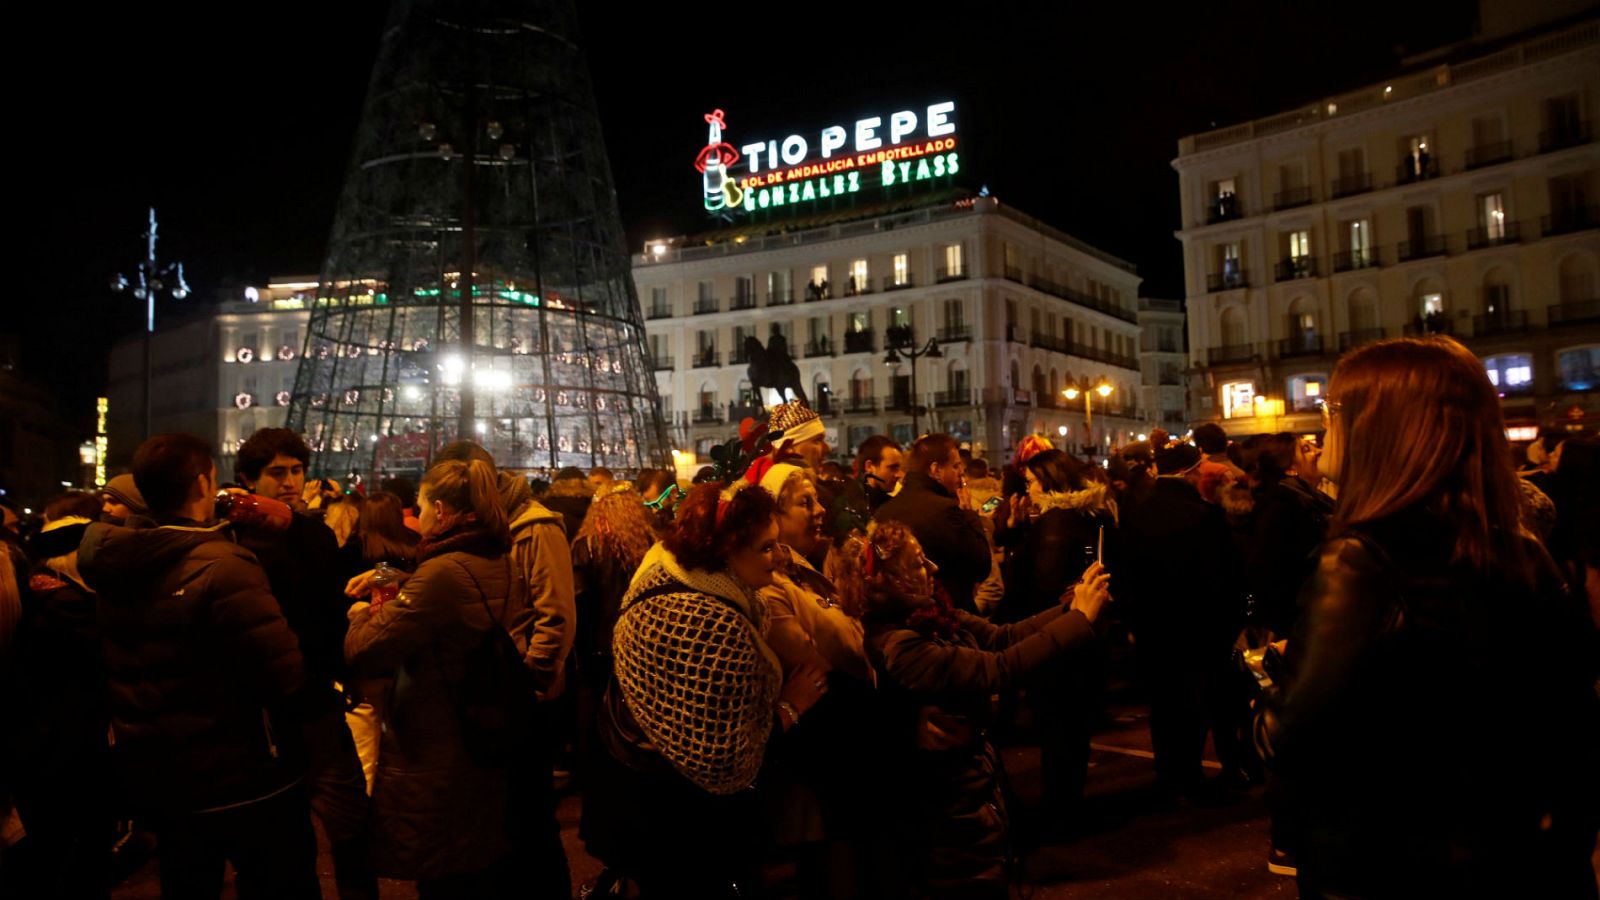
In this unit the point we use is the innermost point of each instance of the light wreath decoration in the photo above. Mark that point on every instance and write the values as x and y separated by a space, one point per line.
245 355
244 400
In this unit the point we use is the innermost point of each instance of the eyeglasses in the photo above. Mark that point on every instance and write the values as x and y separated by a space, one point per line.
1329 408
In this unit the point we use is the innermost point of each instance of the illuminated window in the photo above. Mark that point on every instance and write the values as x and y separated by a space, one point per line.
1306 392
1222 188
900 316
1238 399
952 260
1299 244
1492 216
858 277
819 275
860 322
1432 304
1579 368
902 269
1510 371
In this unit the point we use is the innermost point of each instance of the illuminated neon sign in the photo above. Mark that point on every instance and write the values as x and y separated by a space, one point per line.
101 406
915 146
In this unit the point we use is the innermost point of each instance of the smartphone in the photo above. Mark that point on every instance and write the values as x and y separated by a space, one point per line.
990 505
1100 547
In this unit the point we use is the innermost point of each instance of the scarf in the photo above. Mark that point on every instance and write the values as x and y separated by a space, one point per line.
938 619
466 537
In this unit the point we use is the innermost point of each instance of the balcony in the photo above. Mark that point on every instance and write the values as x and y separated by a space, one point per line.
1406 251
818 347
780 298
860 342
1224 209
1435 323
1227 281
953 333
857 406
707 359
854 288
740 412
743 301
1296 267
1408 171
1573 312
707 416
1233 353
739 356
661 364
1051 342
1352 339
956 397
1044 399
898 283
897 403
1013 273
1350 260
1505 233
950 273
1572 135
1566 221
815 293
659 312
706 305
1511 321
1489 154
1082 298
1350 185
1289 198
1304 345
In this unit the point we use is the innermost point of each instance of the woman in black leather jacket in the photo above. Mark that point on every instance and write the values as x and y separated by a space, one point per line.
1436 725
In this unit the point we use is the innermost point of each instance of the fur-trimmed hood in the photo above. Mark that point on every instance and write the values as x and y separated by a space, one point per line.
1096 498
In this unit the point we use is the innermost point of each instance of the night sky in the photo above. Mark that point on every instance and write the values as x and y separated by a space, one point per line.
239 130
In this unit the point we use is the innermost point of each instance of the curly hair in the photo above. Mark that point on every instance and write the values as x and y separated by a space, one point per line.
702 539
617 527
885 590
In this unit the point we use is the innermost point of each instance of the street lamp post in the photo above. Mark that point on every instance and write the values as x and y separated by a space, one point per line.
150 275
1073 389
900 341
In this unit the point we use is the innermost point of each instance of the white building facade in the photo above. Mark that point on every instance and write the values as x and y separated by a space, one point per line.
219 375
1458 198
1018 310
1162 361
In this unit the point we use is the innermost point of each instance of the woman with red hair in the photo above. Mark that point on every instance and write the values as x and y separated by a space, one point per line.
695 696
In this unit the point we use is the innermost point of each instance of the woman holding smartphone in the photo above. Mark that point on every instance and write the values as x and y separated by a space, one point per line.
937 667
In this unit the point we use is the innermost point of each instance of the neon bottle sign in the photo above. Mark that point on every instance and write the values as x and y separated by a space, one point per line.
914 146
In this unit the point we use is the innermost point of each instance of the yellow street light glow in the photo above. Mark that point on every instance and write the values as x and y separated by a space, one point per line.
1103 390
1071 393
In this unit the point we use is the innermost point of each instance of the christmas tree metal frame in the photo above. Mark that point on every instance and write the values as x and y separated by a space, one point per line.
477 283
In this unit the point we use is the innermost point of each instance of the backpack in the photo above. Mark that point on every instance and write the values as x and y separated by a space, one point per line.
496 695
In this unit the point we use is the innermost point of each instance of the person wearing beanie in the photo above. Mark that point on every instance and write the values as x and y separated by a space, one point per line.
1184 628
121 499
804 440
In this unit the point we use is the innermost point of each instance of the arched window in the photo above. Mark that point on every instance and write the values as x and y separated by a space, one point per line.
1039 388
1363 315
821 393
1303 333
860 387
1510 372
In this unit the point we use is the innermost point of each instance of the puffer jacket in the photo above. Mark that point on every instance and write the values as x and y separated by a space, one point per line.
437 811
1436 728
1051 552
951 799
195 650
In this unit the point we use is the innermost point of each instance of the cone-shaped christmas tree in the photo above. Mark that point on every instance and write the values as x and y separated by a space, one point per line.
477 283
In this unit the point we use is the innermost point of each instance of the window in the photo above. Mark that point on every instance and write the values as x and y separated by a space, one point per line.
1432 305
952 260
1352 166
860 387
858 278
708 401
658 300
816 329
958 378
1235 330
706 291
902 269
1416 157
1033 323
900 316
1510 371
859 433
1011 314
860 322
1562 122
1417 219
743 290
819 275
1358 235
1222 189
706 341
1299 244
955 313
1228 256
1238 399
1577 279
1487 131
784 330
658 348
1492 216
1579 368
1010 255
779 286
1306 392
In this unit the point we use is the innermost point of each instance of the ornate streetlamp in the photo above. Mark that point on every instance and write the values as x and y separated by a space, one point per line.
150 283
901 341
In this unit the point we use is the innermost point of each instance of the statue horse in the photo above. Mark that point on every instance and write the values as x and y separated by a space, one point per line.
771 367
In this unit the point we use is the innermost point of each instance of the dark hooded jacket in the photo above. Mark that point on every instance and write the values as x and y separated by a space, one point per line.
195 650
952 537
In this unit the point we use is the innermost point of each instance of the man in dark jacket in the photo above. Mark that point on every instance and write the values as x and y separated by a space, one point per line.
952 537
878 473
303 568
196 651
1180 578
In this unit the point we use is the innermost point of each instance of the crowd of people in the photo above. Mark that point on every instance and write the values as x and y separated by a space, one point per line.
792 666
